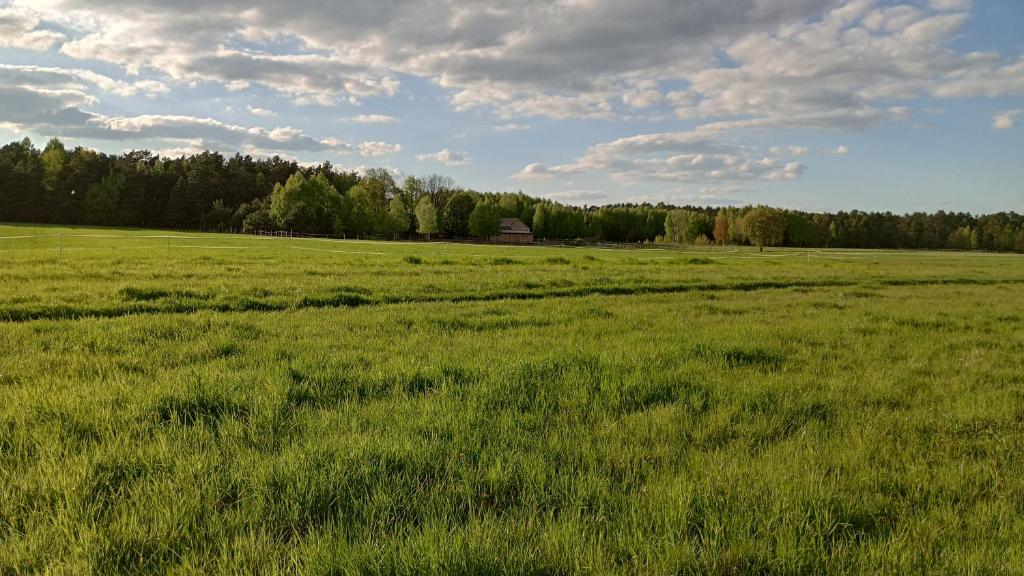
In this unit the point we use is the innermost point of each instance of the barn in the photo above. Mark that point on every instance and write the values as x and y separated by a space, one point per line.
513 231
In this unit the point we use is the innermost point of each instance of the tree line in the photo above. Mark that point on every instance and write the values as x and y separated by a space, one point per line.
209 191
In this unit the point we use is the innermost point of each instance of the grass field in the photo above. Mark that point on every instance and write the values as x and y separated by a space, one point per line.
227 405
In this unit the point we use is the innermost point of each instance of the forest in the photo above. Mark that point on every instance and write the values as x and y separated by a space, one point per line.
209 191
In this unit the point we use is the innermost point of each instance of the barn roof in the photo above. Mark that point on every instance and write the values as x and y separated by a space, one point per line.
513 226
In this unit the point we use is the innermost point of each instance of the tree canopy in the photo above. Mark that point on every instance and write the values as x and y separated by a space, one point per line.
209 191
765 226
309 205
426 216
484 220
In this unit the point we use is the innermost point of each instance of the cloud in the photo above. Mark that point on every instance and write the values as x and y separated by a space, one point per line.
257 111
52 78
362 169
446 157
705 195
373 119
185 148
535 171
840 150
577 197
189 47
216 134
1006 120
19 28
791 150
511 127
951 5
846 70
307 78
521 58
54 98
643 95
57 101
986 77
840 64
374 149
673 156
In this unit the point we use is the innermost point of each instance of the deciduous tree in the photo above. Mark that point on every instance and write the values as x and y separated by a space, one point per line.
764 226
426 216
484 220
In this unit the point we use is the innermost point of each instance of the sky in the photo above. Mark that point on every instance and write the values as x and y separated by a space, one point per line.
891 105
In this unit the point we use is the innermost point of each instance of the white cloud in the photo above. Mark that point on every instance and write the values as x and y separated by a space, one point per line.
987 76
704 195
362 169
19 28
257 111
644 95
373 119
791 150
673 156
840 150
446 157
378 148
1006 120
843 64
577 197
56 101
843 71
535 171
185 148
163 131
40 77
217 134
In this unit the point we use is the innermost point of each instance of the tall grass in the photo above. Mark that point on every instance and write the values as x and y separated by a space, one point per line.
373 415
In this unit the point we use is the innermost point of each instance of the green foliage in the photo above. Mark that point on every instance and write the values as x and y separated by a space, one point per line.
182 203
308 205
800 231
361 220
102 199
964 238
398 220
764 226
255 217
484 220
688 226
722 227
52 186
54 159
380 187
219 218
556 221
456 214
426 216
627 223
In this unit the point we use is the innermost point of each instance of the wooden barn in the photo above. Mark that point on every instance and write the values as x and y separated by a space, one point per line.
513 231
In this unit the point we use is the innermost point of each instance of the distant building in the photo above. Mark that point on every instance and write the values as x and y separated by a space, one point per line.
513 231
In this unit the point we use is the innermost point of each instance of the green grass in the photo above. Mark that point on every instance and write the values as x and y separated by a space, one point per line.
227 404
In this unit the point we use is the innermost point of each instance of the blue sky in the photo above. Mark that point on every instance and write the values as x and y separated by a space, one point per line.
898 105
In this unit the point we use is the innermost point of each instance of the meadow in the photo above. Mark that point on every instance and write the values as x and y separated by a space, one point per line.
218 404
